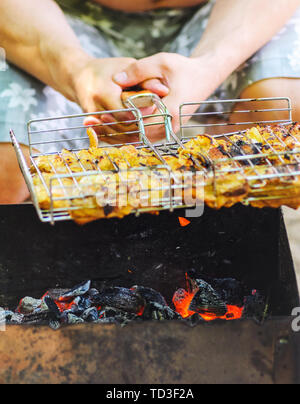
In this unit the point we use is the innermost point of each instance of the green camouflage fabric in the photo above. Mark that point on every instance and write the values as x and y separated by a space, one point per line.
109 33
131 34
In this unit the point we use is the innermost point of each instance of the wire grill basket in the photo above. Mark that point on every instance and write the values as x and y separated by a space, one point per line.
270 171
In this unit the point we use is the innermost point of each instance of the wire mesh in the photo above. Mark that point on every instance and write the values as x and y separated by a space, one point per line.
75 181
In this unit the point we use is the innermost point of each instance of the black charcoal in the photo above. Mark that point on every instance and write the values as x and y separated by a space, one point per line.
120 298
93 292
155 311
195 319
108 312
54 324
72 319
52 306
78 290
119 305
255 307
150 295
90 315
37 319
207 300
80 304
106 320
230 290
119 316
16 319
5 315
56 294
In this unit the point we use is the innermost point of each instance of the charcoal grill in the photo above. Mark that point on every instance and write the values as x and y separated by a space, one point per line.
242 242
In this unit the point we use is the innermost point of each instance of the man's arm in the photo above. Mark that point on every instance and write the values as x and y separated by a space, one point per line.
239 28
38 39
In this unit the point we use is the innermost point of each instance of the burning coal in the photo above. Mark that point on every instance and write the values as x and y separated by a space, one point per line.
200 301
223 301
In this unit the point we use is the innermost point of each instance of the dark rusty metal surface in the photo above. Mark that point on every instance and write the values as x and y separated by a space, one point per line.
245 243
231 352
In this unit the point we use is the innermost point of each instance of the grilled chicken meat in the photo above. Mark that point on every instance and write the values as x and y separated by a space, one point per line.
256 165
117 195
60 189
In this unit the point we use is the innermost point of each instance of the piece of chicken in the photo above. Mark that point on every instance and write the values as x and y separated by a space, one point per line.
117 195
60 188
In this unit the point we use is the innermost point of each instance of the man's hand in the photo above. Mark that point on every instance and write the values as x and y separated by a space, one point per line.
94 86
188 80
96 91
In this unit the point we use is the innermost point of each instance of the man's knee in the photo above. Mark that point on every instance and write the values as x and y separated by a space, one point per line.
12 185
272 88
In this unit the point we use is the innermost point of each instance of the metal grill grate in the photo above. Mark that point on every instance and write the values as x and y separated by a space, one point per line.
72 183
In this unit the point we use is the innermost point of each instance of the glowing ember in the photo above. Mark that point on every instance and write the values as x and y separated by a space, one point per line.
141 312
62 304
233 313
119 305
183 221
182 301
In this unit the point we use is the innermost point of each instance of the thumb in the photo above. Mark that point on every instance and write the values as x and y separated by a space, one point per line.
156 86
137 73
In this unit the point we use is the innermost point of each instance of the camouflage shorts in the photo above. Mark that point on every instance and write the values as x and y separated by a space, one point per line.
107 33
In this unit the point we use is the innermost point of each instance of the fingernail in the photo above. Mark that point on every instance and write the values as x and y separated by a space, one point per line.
90 121
121 78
